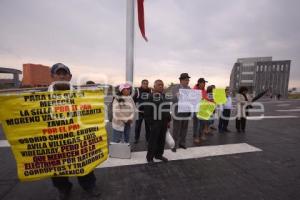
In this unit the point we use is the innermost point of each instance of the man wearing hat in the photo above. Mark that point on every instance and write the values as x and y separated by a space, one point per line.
61 77
180 120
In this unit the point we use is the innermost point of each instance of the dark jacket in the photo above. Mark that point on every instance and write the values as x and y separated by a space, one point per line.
141 95
158 108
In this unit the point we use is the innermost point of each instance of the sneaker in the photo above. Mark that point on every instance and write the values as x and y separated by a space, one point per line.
203 138
173 149
162 158
196 141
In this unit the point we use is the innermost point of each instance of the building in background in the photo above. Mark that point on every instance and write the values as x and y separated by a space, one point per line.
36 75
10 78
259 74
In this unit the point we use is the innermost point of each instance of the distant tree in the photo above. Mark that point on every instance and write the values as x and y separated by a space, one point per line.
171 84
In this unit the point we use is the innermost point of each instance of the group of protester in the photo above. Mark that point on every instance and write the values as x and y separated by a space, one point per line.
158 109
154 107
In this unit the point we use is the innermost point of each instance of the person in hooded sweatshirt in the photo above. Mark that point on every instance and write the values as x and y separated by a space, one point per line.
123 114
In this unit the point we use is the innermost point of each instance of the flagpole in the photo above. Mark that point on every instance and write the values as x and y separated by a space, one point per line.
130 41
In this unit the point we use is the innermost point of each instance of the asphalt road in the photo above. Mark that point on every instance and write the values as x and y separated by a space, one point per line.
273 173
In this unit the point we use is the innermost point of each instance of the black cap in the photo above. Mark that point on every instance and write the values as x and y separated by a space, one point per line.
184 76
59 66
202 80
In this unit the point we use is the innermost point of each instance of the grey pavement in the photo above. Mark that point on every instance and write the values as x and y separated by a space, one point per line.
273 173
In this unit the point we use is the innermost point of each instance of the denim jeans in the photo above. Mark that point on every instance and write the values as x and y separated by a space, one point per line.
224 120
198 126
117 135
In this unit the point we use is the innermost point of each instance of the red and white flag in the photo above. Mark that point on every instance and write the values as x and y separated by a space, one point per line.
140 4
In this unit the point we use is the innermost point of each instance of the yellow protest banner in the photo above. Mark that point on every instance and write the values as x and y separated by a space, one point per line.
219 96
53 134
206 109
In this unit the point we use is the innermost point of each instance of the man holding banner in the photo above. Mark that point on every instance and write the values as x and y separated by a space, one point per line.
198 124
207 106
57 134
180 119
61 76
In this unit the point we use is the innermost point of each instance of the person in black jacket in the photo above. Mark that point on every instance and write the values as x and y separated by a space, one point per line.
158 114
243 106
141 95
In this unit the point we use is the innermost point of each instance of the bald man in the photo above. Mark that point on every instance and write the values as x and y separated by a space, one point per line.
157 111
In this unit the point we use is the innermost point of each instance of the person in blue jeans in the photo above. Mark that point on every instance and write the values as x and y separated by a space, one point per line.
209 127
225 115
118 135
123 114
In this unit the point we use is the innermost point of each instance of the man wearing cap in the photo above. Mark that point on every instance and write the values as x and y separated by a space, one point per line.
197 124
180 120
61 77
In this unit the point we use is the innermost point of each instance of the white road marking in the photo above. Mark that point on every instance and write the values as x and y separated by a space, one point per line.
289 110
272 117
4 143
181 154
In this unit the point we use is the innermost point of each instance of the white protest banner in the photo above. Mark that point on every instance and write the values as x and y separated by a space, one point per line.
188 100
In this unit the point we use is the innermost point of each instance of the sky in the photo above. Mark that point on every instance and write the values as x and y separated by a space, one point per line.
203 38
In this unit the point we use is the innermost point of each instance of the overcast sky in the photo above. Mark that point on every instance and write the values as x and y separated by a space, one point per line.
202 38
